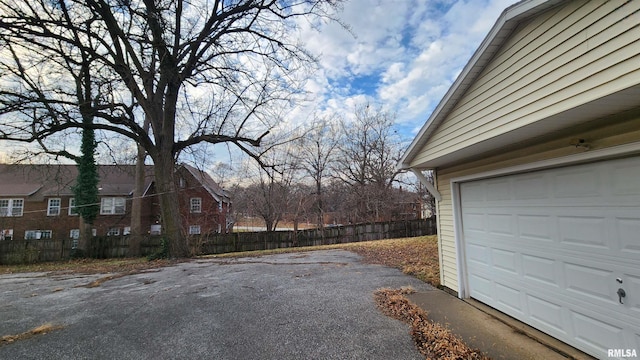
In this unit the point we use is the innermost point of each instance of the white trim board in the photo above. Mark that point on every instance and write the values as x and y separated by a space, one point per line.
587 156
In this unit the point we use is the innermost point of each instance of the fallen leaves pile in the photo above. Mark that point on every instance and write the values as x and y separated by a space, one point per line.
433 340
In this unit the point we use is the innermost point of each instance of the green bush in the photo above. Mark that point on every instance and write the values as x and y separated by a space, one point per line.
162 252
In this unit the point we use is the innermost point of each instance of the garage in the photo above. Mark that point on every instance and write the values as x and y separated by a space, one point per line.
534 152
553 247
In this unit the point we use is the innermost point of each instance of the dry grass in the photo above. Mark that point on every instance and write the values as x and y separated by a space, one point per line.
432 339
416 256
90 266
40 330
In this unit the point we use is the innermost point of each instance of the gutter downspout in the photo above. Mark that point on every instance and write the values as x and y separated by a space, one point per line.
423 179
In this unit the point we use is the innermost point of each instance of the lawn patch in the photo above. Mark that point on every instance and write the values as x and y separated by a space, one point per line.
416 256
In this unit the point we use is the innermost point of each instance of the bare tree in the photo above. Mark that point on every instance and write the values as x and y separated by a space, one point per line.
199 71
272 188
367 154
317 153
267 200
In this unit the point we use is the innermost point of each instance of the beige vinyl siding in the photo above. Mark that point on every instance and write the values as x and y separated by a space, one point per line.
446 238
561 59
619 132
448 275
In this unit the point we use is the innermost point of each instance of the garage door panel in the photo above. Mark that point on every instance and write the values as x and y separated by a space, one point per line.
595 333
577 183
510 297
498 190
620 175
540 269
548 250
531 187
535 227
474 221
505 260
478 254
546 313
628 232
632 285
590 281
500 224
583 231
483 287
474 193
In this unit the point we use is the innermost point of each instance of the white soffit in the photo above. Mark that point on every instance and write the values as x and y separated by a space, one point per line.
613 104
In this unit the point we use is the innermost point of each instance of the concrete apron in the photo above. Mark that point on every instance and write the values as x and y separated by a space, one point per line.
496 334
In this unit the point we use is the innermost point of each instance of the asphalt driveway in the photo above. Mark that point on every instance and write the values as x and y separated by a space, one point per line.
314 305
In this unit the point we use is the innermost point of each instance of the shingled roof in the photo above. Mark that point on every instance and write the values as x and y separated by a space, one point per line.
36 182
207 182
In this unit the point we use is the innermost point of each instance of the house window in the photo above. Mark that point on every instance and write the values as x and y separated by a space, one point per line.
11 207
114 231
73 210
196 205
37 234
112 206
194 229
53 209
6 234
126 230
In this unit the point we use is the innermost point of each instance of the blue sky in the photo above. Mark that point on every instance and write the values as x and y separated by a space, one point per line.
402 55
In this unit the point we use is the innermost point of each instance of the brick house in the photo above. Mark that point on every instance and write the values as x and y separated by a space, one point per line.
36 202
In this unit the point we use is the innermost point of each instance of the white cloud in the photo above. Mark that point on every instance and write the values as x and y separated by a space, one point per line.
408 51
414 48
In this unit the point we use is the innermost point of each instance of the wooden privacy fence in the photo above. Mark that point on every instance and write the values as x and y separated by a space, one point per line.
30 251
42 250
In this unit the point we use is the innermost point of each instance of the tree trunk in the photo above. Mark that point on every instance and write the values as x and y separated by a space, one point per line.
268 224
137 232
167 194
295 231
165 162
319 204
84 238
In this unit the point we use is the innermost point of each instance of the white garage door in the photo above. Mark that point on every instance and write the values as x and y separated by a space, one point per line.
551 248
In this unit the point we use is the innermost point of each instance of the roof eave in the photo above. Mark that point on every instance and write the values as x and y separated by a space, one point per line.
500 31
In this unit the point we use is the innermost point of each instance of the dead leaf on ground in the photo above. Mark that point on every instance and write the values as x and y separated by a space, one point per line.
40 330
433 340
